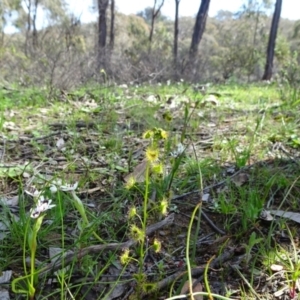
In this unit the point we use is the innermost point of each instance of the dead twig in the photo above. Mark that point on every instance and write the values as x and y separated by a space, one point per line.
216 263
78 254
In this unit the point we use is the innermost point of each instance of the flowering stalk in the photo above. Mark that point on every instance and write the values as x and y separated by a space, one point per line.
38 214
153 167
32 241
146 198
145 216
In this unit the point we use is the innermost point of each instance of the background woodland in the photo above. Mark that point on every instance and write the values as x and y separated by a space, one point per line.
147 47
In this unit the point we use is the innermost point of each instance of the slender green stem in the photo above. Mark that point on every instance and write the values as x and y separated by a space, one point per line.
187 250
144 220
24 246
62 290
14 285
196 234
247 283
173 171
207 287
33 251
32 262
200 294
146 198
33 247
145 214
98 237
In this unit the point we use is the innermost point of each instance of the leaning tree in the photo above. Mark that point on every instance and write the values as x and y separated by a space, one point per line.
272 40
199 27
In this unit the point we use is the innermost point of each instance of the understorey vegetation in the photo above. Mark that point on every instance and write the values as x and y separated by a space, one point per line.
143 157
150 192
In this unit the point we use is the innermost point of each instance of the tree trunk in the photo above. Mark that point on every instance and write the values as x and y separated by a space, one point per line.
112 25
155 13
199 27
34 30
176 31
102 31
28 29
272 41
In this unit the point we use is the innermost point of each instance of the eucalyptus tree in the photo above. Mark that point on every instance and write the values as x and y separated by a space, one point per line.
176 32
26 11
199 27
102 33
272 41
112 25
155 13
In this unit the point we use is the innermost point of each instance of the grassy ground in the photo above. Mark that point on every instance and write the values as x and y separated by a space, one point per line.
150 192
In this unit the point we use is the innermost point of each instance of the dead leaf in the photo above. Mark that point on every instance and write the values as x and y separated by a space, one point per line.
4 294
10 125
13 201
265 215
5 277
26 175
211 124
91 191
205 197
138 172
280 292
230 170
286 214
240 179
211 99
117 291
152 99
196 288
276 268
60 143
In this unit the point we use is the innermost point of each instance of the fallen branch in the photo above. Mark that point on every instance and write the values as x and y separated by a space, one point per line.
216 263
78 254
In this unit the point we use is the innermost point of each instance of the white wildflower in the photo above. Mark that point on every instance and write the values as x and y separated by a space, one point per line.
33 192
53 189
69 187
57 185
41 206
